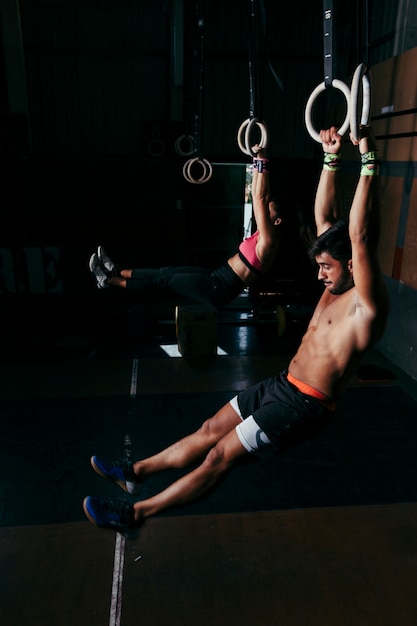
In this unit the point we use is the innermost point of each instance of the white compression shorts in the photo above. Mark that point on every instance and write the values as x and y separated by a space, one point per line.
252 438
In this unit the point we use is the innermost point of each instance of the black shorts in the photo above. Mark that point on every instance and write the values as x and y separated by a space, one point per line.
286 415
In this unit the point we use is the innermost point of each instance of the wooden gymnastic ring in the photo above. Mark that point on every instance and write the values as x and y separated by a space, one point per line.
263 142
337 84
241 143
243 135
360 77
205 165
181 139
156 152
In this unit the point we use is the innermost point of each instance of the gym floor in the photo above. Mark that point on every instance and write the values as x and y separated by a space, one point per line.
326 535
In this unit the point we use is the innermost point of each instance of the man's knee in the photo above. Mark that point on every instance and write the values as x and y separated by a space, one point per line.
215 462
209 431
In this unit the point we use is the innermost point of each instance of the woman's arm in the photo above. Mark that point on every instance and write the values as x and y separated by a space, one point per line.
267 244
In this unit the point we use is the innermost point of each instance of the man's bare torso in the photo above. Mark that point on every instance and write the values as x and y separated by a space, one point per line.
341 330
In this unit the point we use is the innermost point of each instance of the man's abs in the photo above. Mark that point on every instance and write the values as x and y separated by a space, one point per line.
328 353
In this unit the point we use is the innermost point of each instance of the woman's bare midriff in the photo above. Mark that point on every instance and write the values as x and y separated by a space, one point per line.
239 268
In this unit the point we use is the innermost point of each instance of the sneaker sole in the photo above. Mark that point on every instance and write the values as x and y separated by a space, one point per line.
86 511
91 263
121 483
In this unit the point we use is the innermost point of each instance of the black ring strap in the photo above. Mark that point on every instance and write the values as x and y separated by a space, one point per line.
328 41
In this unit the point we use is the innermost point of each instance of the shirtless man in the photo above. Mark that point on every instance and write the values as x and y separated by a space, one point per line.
288 408
352 312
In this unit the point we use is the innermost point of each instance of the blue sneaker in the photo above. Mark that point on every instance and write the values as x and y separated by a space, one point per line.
120 472
116 515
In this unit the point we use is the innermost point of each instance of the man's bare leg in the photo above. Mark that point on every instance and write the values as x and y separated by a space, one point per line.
219 459
217 440
192 448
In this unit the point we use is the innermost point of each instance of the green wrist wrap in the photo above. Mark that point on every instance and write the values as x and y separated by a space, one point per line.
331 162
370 162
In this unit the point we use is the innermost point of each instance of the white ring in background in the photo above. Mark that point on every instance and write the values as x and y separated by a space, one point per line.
361 76
337 84
180 140
156 153
205 165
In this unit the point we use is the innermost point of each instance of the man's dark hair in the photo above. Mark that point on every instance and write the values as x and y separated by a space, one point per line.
335 241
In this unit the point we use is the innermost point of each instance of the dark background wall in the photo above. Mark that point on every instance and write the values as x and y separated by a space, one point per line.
99 77
94 95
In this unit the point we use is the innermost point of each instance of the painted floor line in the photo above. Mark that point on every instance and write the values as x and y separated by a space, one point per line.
116 594
119 550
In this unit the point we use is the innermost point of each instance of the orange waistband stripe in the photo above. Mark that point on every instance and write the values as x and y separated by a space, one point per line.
311 391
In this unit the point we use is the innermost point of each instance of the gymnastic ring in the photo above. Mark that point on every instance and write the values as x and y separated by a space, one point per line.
156 152
241 143
361 75
206 167
241 140
263 142
207 171
186 170
337 84
181 139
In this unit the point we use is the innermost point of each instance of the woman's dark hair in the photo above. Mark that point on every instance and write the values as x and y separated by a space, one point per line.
335 241
281 207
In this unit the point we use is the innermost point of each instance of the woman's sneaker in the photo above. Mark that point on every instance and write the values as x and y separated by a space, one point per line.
105 261
116 515
97 271
120 472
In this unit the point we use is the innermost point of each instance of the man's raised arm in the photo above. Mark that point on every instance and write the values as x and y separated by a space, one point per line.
364 222
327 202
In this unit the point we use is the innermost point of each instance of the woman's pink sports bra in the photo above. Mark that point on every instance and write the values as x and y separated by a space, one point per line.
247 253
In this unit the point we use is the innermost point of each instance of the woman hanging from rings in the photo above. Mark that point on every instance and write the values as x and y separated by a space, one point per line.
219 287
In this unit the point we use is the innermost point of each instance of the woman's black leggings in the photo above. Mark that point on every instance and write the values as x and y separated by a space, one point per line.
217 288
